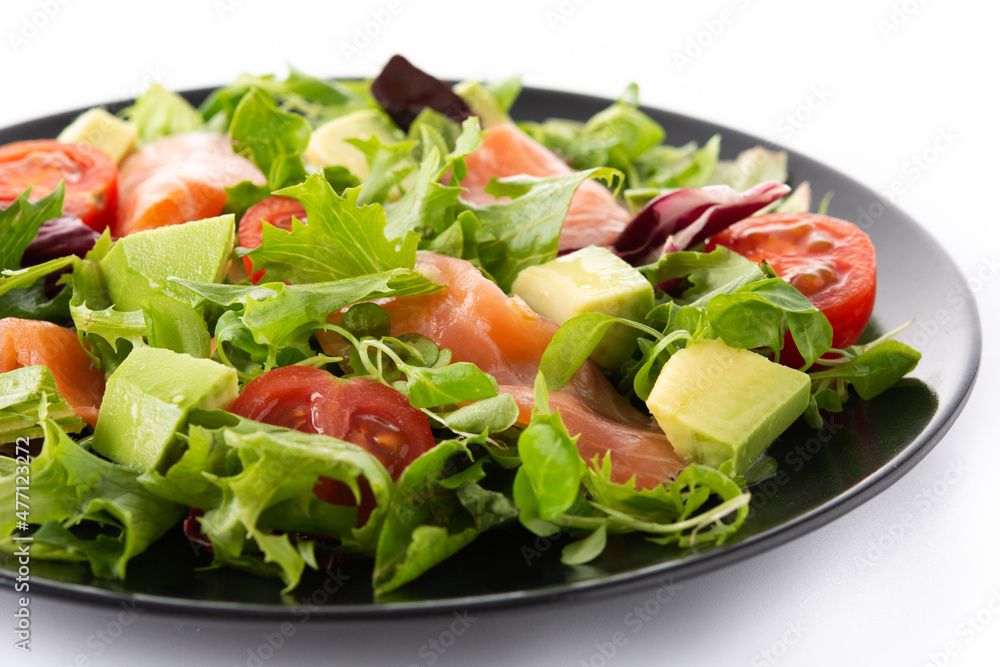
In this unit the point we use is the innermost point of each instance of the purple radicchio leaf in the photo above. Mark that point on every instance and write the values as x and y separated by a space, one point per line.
677 220
404 91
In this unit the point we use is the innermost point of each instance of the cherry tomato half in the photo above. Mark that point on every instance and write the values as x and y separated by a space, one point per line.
277 211
830 261
91 177
366 413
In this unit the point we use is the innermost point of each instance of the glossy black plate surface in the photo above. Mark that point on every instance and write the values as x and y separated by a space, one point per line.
821 475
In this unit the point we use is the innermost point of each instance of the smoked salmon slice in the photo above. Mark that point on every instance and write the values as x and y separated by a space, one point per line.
594 217
179 179
502 335
35 343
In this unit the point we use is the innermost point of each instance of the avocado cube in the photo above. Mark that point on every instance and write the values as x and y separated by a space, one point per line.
717 404
138 265
328 144
591 280
147 400
100 129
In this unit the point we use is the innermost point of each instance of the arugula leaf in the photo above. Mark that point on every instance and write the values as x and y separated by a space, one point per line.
159 113
23 392
31 303
71 486
342 240
21 220
525 230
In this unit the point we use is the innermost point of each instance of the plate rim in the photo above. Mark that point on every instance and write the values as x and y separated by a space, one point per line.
686 567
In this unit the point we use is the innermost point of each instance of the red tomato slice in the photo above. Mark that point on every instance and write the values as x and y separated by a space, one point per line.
277 211
366 413
91 177
830 261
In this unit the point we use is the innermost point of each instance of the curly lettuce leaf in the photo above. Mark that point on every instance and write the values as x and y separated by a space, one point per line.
23 392
342 240
272 495
71 486
436 513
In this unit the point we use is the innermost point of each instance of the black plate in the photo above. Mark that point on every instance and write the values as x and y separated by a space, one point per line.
821 476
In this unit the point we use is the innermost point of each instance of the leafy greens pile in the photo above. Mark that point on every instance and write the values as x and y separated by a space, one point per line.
252 484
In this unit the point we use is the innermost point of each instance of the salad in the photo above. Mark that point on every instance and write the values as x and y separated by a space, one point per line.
312 320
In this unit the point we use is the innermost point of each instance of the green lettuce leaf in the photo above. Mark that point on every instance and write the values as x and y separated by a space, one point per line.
23 392
159 113
21 220
69 487
272 138
342 240
272 494
436 513
524 231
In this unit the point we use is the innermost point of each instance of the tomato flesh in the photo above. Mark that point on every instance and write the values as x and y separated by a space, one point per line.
363 412
830 261
91 177
277 211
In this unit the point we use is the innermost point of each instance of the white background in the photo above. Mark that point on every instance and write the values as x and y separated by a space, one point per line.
884 77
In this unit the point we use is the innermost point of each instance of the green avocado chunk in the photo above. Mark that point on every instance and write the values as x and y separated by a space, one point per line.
138 265
147 400
717 404
591 280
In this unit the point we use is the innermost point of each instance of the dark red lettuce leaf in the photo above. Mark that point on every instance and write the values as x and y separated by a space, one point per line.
404 91
688 216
